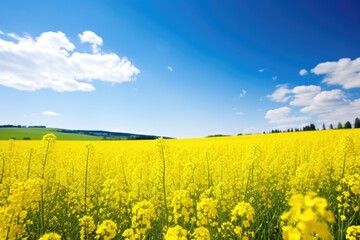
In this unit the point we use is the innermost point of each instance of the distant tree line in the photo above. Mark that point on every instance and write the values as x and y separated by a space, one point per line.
20 126
218 135
12 126
312 127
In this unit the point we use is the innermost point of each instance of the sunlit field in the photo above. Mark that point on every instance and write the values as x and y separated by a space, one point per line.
303 185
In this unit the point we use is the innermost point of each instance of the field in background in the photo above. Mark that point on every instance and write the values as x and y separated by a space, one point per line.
272 186
38 133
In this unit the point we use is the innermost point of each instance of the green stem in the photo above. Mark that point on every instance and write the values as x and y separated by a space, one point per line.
248 181
3 169
343 172
164 183
45 159
86 178
208 171
8 230
28 170
42 208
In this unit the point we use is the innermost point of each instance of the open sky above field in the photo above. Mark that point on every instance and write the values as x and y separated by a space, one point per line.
179 68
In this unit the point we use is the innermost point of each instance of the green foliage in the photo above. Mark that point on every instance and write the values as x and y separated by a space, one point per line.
357 123
347 125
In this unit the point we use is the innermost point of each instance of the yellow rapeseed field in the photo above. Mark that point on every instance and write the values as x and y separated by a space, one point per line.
303 185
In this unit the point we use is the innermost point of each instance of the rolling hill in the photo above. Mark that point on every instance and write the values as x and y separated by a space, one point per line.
36 133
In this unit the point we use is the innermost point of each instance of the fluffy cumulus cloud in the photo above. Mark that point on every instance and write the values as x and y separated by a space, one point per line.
281 94
303 95
344 72
92 38
326 101
281 116
50 61
326 106
343 112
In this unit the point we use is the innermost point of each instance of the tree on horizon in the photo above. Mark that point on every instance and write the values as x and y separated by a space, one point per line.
347 125
357 123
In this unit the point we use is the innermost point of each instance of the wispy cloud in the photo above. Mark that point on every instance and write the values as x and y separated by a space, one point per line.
274 78
50 61
239 113
50 114
251 130
242 93
261 70
303 72
170 68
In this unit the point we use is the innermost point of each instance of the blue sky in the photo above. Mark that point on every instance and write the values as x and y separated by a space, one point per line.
179 68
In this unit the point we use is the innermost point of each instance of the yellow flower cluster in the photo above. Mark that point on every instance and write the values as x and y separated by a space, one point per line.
182 206
308 217
243 213
23 198
206 211
176 233
227 230
349 198
353 233
201 233
88 227
50 236
107 230
50 137
143 214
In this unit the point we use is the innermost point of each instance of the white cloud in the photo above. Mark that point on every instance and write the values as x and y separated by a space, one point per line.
341 113
281 94
239 113
170 69
281 115
303 72
50 61
261 70
50 114
344 72
91 37
326 101
242 93
298 96
304 95
326 106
